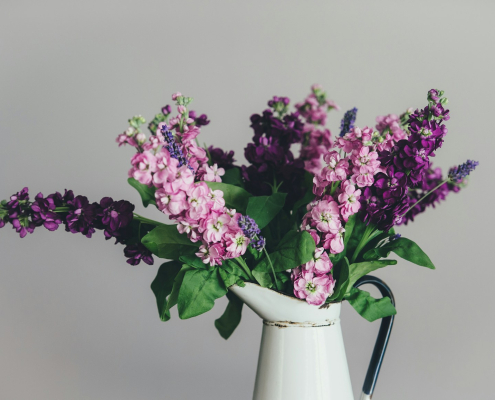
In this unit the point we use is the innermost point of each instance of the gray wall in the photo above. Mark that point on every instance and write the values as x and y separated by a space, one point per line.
77 322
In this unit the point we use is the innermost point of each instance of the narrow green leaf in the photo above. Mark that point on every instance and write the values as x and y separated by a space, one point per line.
235 197
231 317
198 292
263 278
194 261
165 241
308 196
264 208
147 193
369 307
357 270
404 248
296 248
349 227
231 273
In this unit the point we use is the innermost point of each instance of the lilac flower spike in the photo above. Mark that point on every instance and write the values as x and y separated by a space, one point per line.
347 122
457 174
250 229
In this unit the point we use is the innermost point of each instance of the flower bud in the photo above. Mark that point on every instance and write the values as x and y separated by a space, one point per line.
175 95
141 138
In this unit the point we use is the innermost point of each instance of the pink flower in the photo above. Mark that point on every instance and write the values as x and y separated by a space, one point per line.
349 200
143 166
197 198
184 179
217 201
363 179
190 228
171 203
236 243
336 169
320 264
326 215
313 288
124 139
211 255
175 95
166 168
211 174
365 161
334 242
215 226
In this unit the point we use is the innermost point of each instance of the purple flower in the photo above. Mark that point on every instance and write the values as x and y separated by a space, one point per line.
457 174
202 120
174 148
82 216
166 110
221 158
347 122
391 186
60 200
43 213
115 216
137 253
250 229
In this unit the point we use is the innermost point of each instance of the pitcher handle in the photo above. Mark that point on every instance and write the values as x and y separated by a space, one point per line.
382 339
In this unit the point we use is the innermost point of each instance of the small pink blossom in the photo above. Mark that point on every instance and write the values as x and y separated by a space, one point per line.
166 168
211 174
312 288
336 169
236 243
334 242
211 255
320 264
349 200
143 166
175 95
215 226
326 216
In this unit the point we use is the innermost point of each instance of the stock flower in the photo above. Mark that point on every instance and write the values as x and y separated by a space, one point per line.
221 158
82 215
43 213
137 253
143 166
349 200
320 264
315 289
115 215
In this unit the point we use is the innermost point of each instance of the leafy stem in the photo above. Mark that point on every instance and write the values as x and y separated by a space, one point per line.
370 233
144 220
245 267
271 265
425 196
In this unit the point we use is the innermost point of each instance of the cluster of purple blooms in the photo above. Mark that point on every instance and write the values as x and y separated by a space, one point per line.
78 215
348 121
250 229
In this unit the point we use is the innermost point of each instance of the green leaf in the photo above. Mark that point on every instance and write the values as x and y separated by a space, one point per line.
357 270
147 193
264 208
308 196
165 241
341 274
231 273
231 317
235 197
404 248
263 278
369 307
349 227
296 248
194 261
167 283
371 255
352 239
198 292
233 177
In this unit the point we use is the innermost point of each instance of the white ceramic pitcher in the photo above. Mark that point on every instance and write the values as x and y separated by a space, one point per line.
302 353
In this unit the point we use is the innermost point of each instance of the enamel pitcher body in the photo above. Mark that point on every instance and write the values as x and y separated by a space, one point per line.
302 354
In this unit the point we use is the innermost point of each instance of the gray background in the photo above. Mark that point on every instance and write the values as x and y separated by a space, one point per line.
77 322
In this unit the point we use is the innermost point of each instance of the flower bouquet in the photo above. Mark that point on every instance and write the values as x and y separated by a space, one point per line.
308 226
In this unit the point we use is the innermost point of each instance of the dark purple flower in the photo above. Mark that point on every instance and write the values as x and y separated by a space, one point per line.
202 120
392 185
166 110
44 214
115 216
347 122
221 158
137 253
60 200
82 216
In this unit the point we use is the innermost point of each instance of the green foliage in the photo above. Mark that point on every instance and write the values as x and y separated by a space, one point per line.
264 208
193 261
166 242
369 307
233 177
296 248
308 195
341 274
231 317
235 197
231 273
357 270
354 232
404 248
374 243
166 284
198 292
147 193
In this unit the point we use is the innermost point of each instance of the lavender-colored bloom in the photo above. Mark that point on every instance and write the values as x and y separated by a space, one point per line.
394 237
137 253
457 174
250 229
347 122
166 110
174 148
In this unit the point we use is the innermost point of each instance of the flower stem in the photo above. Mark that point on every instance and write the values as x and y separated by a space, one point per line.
62 209
271 265
369 234
245 267
425 196
139 218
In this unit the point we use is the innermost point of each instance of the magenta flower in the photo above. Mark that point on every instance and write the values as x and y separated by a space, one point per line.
143 166
315 289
